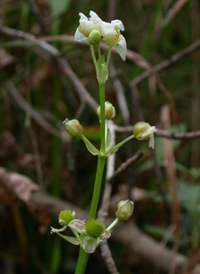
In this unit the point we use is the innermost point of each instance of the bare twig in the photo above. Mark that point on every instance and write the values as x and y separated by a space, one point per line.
172 178
37 14
120 94
34 114
47 49
165 64
165 134
193 260
125 166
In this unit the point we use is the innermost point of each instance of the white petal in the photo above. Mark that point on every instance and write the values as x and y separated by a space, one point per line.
55 230
82 16
78 225
95 18
151 141
79 36
105 235
89 244
109 34
117 24
122 47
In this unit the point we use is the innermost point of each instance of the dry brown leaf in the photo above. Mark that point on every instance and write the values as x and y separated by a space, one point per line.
5 58
21 186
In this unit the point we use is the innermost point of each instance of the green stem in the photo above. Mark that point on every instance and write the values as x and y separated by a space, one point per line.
83 256
97 186
116 147
108 57
76 235
94 58
99 51
82 261
112 224
102 116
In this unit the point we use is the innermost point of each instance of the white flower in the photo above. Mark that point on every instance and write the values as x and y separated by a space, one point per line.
87 26
113 37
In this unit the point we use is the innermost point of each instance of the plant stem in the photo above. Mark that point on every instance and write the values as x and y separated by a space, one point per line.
113 224
102 116
99 51
83 256
97 186
94 58
82 261
108 57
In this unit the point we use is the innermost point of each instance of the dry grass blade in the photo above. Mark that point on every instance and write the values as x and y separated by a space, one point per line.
173 11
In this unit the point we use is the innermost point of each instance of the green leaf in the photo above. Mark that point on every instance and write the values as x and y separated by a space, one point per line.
90 147
69 239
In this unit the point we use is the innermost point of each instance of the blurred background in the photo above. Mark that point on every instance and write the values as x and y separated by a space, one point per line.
43 170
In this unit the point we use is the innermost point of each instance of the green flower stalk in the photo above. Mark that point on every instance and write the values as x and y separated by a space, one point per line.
89 234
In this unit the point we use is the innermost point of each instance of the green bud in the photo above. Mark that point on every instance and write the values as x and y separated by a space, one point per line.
66 216
143 131
109 111
140 129
125 210
73 127
102 71
94 228
94 37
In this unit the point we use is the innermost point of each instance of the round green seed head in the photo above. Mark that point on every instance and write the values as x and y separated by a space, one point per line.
94 228
65 217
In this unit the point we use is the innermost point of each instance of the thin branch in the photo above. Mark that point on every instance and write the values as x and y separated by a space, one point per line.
63 64
36 12
125 166
165 134
165 64
33 113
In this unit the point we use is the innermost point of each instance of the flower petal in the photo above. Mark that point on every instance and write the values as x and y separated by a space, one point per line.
55 230
80 37
95 18
89 244
106 235
121 49
117 24
78 225
109 34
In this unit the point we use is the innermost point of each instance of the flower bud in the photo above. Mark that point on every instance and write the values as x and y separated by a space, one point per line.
73 127
66 216
143 131
94 37
109 111
125 210
94 228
